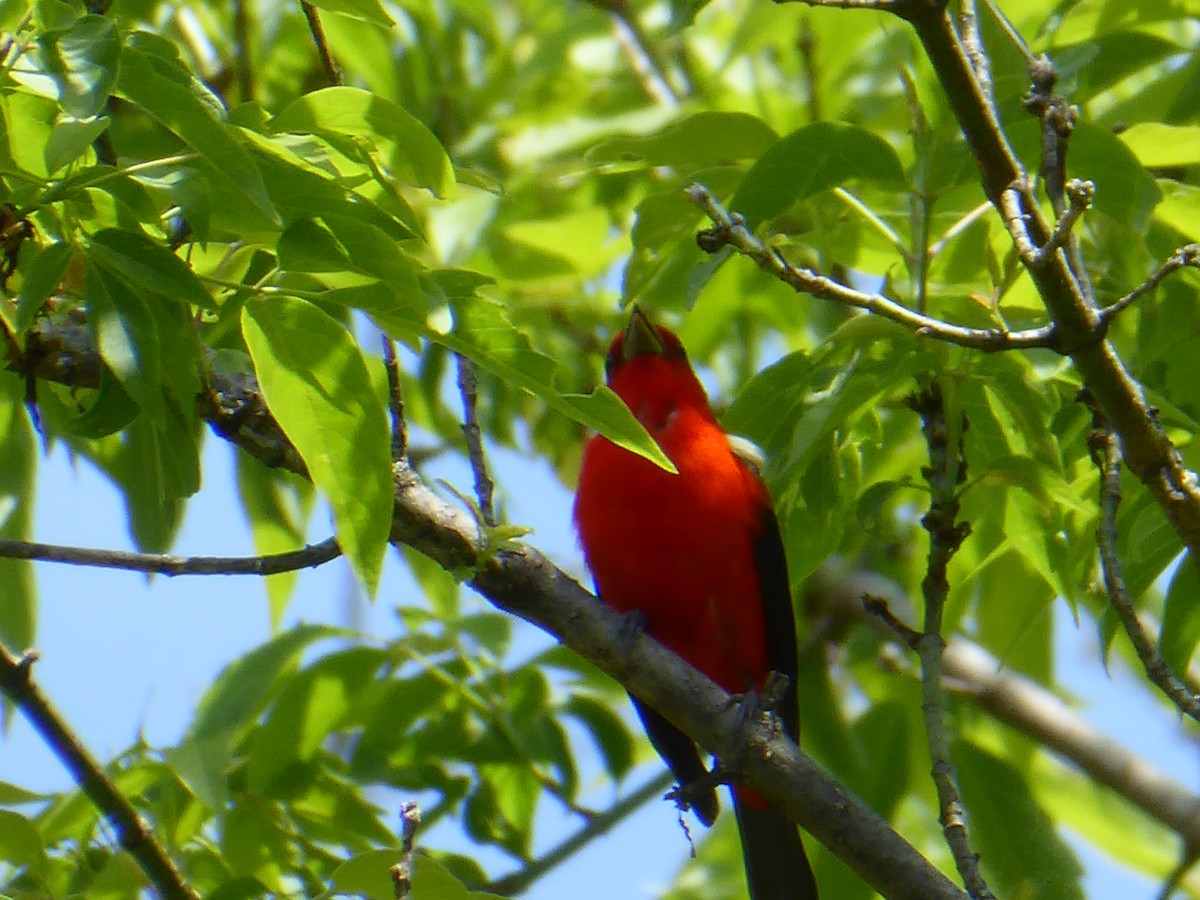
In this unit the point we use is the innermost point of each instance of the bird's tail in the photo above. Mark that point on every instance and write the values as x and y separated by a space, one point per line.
777 867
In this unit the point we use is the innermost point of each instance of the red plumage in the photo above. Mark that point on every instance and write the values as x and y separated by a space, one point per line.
698 556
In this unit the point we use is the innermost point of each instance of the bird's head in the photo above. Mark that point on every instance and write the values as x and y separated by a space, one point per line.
648 368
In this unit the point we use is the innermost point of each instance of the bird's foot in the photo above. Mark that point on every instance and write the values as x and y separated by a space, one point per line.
700 794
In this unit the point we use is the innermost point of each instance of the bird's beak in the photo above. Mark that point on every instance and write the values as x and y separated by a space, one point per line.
641 337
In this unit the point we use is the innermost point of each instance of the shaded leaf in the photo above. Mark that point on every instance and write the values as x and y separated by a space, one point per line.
701 139
812 159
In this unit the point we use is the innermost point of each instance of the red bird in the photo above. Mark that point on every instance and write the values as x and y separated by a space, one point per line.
698 557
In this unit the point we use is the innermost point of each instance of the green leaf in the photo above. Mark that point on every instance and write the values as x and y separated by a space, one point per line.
366 10
13 795
500 811
1181 616
301 187
149 265
70 138
1157 145
277 507
373 251
202 764
255 841
483 333
150 344
153 78
607 728
18 457
309 246
433 881
812 159
353 112
367 875
243 688
20 844
41 275
83 62
26 123
316 384
701 139
1125 191
110 411
1017 841
311 705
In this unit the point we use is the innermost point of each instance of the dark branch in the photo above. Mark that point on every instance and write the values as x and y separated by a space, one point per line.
165 564
134 835
1184 257
729 230
332 72
395 400
1107 456
485 489
946 472
410 821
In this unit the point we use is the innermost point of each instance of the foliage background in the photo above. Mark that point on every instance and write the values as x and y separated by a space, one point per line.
494 180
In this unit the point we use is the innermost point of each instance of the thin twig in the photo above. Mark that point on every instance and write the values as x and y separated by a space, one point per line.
1184 257
1058 118
244 66
730 230
946 471
519 881
485 489
806 44
639 51
920 210
972 41
308 557
133 834
395 399
332 72
959 227
1107 455
869 215
410 821
1079 194
879 608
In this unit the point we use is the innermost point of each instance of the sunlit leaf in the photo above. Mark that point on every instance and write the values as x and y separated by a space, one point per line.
315 382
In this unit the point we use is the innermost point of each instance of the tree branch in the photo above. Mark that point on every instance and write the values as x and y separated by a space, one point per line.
947 470
165 564
332 72
729 230
1185 257
520 580
410 821
1108 460
600 824
134 835
485 489
395 399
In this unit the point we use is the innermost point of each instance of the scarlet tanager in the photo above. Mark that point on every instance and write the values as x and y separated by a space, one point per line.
699 559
